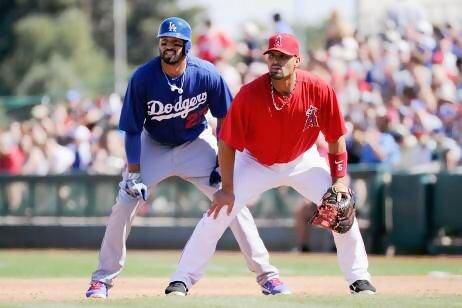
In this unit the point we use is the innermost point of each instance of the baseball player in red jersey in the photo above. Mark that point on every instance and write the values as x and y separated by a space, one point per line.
273 124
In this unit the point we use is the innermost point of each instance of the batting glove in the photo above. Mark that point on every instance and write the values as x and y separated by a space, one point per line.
135 187
215 177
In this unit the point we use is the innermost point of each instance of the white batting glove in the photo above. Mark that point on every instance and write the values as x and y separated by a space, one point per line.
135 187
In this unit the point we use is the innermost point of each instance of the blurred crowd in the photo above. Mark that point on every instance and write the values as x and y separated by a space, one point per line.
400 91
78 135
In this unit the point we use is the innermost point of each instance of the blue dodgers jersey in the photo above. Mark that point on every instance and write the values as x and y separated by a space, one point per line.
169 117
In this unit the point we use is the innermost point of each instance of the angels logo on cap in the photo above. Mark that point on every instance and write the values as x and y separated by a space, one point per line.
277 42
285 43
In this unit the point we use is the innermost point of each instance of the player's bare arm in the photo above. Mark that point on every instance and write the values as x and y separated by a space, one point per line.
224 196
219 123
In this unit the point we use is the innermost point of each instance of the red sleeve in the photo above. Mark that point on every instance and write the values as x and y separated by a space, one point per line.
332 122
232 131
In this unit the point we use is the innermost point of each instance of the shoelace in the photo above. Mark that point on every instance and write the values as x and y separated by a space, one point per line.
179 284
96 285
273 282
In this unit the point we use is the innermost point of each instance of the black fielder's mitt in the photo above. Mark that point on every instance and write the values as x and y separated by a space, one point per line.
337 210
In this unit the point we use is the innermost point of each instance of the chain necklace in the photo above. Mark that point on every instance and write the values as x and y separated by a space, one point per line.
174 87
285 97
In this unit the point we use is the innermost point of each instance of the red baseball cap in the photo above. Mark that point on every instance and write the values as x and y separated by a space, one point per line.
285 43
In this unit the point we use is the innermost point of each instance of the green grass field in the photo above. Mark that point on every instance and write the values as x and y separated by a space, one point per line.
259 301
35 265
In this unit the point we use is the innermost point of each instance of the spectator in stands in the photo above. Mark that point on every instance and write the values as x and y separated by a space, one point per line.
416 151
81 148
36 162
249 48
379 146
337 30
59 157
109 157
11 161
230 74
411 71
11 157
280 25
213 44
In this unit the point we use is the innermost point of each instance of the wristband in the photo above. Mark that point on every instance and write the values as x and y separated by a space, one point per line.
338 164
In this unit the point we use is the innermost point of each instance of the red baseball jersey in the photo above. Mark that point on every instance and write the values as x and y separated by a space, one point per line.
279 136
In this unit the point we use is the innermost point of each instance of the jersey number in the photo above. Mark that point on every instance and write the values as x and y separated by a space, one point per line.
194 118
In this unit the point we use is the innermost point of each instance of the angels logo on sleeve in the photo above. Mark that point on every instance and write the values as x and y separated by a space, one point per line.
311 118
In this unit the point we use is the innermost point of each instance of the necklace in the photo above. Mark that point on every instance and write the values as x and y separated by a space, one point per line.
174 87
285 97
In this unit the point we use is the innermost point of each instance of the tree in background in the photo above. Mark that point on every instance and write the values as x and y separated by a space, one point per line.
143 19
50 46
55 54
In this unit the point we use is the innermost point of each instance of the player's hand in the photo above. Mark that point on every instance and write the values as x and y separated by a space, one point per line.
340 188
221 198
135 187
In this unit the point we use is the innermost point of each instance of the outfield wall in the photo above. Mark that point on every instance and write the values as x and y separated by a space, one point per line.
398 213
148 234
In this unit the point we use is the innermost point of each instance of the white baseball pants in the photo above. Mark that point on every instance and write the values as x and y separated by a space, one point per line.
309 175
192 161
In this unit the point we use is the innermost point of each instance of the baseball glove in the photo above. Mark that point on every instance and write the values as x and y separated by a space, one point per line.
337 210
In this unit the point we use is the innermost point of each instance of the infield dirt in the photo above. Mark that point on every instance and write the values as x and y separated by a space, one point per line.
68 289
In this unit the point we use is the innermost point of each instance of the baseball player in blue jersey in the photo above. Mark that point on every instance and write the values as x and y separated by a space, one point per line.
166 134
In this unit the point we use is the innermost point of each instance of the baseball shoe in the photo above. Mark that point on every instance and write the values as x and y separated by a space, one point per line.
177 288
362 287
275 287
97 289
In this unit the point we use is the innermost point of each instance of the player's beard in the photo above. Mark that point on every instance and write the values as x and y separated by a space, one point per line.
276 75
171 59
277 72
281 73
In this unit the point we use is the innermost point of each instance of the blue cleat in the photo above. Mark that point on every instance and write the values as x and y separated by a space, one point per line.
97 289
275 287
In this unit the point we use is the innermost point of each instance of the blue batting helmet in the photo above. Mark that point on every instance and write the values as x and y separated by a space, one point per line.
176 27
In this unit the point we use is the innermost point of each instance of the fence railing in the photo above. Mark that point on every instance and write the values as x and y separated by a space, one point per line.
85 195
407 211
